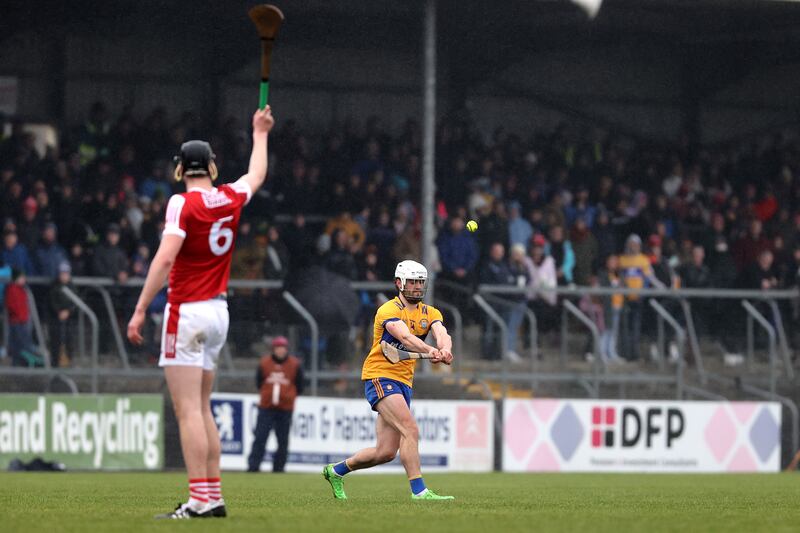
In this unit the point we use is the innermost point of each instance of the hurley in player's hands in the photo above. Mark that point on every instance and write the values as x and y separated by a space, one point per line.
441 356
262 120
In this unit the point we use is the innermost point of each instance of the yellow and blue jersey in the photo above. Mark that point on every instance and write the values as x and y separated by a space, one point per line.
419 322
636 269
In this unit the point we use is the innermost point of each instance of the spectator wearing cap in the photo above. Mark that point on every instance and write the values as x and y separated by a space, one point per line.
62 310
30 227
14 253
280 380
49 254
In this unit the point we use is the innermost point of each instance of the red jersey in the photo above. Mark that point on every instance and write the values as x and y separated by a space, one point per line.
208 222
17 304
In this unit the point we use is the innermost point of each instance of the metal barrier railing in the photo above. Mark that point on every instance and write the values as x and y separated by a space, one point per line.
694 343
680 334
598 363
66 380
487 294
735 294
86 310
764 323
112 320
37 327
501 324
783 342
312 323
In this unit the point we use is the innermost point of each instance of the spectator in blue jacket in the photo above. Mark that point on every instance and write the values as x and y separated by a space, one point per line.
520 230
458 252
15 254
581 208
49 254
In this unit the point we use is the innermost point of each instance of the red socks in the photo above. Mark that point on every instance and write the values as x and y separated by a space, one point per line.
198 492
214 489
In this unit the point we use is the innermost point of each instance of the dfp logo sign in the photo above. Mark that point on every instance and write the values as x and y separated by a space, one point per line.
228 417
636 427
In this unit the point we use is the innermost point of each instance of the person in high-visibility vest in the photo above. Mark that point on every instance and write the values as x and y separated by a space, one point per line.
280 380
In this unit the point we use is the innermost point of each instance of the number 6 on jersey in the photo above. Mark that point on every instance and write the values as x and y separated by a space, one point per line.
219 233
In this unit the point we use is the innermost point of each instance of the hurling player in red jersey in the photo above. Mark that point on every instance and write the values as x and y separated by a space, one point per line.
195 252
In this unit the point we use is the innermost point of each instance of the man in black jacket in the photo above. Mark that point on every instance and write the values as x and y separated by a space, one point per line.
697 275
110 261
62 309
109 258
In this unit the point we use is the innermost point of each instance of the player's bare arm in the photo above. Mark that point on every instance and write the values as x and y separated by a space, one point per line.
257 170
156 277
444 342
399 330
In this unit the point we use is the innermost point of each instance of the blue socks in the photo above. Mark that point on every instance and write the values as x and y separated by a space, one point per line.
417 484
341 468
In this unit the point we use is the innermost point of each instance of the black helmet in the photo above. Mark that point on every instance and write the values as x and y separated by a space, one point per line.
196 158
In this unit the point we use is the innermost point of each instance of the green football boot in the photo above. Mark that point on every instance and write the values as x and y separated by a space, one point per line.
428 494
336 481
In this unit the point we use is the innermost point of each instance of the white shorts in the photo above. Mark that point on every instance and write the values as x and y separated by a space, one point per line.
194 333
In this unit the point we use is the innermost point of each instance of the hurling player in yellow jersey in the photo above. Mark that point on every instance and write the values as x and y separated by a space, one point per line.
403 322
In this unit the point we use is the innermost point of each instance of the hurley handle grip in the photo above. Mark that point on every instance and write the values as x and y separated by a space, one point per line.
263 94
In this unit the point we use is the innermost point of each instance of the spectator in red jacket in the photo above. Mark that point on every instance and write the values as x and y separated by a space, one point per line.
280 381
16 299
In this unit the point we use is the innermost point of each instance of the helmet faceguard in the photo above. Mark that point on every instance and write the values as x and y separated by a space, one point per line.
409 271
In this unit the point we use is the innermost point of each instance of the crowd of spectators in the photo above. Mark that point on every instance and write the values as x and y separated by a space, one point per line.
573 206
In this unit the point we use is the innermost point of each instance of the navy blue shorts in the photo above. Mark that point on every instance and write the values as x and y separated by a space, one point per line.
376 389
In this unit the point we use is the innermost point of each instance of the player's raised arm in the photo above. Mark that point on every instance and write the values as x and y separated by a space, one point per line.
257 170
399 330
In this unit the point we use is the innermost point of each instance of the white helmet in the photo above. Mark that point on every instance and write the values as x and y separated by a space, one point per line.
408 270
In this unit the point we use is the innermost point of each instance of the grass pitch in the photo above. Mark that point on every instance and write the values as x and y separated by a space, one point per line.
486 503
